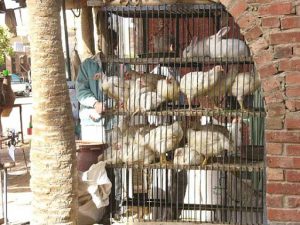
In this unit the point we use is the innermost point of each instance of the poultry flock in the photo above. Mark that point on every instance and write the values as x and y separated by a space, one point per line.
141 92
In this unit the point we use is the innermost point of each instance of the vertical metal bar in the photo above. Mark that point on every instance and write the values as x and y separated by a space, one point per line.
5 195
66 40
2 189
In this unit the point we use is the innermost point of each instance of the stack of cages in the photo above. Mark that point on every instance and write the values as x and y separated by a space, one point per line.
186 116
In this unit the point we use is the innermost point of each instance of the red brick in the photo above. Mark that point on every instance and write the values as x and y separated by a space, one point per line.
258 1
293 150
253 33
296 50
284 38
293 175
275 174
258 45
274 123
282 136
267 70
292 120
290 22
298 10
275 109
289 215
292 123
247 20
289 65
274 97
283 188
270 84
293 91
293 105
283 162
292 77
264 57
270 22
238 8
283 52
276 8
274 148
274 201
292 201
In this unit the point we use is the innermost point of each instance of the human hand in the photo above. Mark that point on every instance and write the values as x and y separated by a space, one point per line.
98 76
99 107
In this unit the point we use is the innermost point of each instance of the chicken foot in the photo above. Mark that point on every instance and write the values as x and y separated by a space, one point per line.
189 103
205 161
163 160
241 103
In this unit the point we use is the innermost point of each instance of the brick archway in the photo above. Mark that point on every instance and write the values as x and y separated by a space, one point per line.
272 31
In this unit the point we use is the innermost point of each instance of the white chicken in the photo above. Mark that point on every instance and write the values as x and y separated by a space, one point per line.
115 87
111 155
135 153
168 89
223 84
236 132
196 84
164 139
147 79
187 156
143 98
244 84
150 101
210 140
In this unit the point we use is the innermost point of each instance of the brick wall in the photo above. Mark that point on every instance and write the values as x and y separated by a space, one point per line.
272 31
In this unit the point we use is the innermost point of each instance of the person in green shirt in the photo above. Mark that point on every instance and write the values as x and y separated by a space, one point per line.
93 102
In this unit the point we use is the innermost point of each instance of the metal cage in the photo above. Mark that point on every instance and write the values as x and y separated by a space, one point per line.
185 115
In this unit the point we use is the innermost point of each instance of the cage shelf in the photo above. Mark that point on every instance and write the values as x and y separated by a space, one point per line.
178 61
145 202
230 167
161 11
195 112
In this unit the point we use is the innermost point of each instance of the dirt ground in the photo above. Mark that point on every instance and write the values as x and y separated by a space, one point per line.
19 195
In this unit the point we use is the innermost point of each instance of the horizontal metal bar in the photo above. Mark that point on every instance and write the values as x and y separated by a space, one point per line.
250 167
168 60
194 112
207 207
174 8
139 222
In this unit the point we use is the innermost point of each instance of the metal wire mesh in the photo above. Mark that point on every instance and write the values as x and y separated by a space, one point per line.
186 116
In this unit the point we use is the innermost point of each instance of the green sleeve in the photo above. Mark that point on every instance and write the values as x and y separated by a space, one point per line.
85 93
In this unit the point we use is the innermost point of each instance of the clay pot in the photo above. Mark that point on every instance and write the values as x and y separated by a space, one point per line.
9 96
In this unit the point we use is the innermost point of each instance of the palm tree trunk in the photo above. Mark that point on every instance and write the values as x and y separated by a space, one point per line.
53 163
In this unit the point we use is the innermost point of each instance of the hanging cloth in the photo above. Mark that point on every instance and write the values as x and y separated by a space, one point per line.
11 22
75 63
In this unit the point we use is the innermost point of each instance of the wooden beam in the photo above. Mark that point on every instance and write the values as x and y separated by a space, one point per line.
167 223
147 2
75 4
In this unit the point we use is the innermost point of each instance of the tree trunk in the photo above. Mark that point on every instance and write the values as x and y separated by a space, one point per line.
53 164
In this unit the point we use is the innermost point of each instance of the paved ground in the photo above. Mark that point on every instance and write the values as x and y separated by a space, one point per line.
19 195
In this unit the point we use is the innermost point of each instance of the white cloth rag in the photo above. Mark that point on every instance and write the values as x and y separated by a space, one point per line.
99 186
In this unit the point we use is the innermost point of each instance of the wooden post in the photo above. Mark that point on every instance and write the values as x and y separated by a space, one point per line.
87 32
102 32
